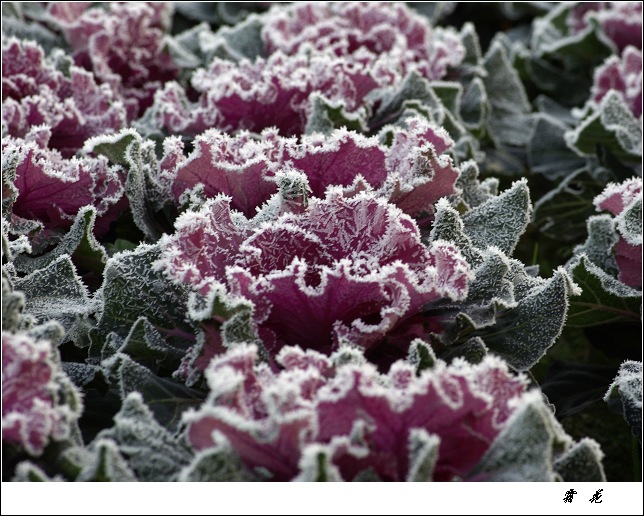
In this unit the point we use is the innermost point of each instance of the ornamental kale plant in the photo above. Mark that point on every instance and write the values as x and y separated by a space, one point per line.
321 241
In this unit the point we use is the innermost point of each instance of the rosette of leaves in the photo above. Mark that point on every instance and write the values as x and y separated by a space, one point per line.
588 148
566 44
608 265
124 45
45 192
266 72
337 419
314 273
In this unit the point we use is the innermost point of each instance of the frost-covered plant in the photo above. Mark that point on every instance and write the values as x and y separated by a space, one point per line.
345 56
623 74
42 186
389 39
273 256
32 411
338 269
274 91
625 395
411 172
39 91
39 403
621 22
618 238
339 419
123 45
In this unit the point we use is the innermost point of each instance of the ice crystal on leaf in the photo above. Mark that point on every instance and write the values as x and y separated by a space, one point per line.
343 268
123 45
68 101
34 409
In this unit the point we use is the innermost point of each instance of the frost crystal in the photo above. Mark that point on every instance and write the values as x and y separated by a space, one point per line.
33 394
341 269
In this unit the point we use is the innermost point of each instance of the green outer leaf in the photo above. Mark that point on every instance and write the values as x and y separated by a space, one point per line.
57 293
79 242
548 153
166 398
113 146
523 334
525 449
146 345
151 452
132 289
598 247
414 89
28 472
603 300
625 396
612 125
326 116
218 464
501 220
562 213
423 455
106 465
13 303
581 463
509 121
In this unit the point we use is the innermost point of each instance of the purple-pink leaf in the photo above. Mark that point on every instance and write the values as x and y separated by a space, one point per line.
123 45
621 22
52 189
31 413
365 418
73 106
271 92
